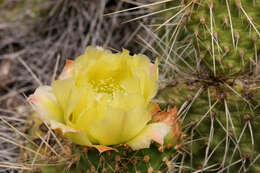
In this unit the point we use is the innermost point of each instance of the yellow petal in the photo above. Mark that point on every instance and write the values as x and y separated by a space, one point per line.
149 88
75 136
62 90
153 70
127 101
67 70
89 108
131 85
118 125
147 73
45 104
64 129
89 64
79 138
154 131
67 95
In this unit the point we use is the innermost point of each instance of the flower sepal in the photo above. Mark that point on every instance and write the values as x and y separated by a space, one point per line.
170 118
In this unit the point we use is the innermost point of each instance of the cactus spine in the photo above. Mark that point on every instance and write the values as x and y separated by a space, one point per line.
214 49
215 85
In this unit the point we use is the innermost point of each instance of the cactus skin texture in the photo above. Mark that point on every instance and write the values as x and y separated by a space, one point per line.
221 96
235 40
218 124
73 158
225 36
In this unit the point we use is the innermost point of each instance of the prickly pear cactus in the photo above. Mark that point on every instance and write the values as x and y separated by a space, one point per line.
98 116
56 153
225 33
210 70
222 126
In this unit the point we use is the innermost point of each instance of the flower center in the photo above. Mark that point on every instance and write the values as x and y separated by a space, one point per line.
108 85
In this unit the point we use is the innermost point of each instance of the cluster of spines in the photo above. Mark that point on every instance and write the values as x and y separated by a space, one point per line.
225 35
220 124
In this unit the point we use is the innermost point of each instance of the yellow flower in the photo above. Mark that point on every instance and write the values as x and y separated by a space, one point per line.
103 99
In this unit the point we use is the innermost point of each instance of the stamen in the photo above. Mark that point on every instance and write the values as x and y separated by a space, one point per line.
108 85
